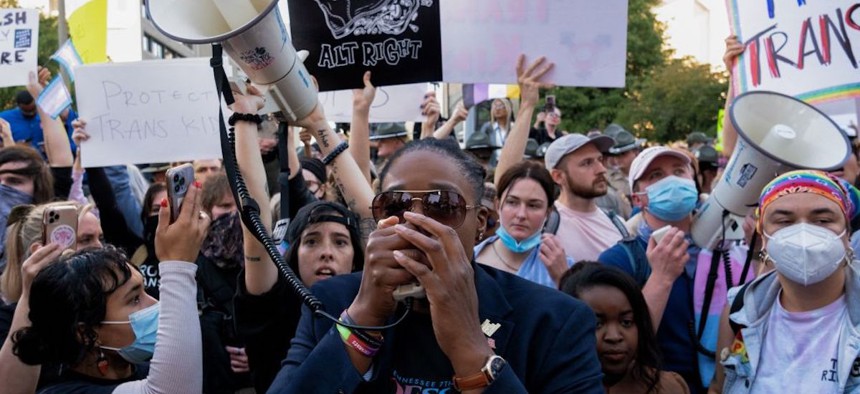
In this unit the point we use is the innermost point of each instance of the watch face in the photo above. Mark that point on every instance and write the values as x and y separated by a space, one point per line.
496 365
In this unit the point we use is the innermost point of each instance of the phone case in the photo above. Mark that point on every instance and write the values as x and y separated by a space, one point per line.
178 180
60 225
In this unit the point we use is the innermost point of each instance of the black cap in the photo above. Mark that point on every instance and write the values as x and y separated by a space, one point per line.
479 140
23 97
531 148
315 166
707 154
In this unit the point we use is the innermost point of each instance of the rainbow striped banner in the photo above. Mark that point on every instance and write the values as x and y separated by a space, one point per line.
798 47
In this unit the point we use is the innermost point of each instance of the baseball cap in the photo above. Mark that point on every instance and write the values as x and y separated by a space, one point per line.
567 144
647 156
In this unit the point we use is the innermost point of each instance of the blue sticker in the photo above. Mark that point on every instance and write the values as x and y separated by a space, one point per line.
23 38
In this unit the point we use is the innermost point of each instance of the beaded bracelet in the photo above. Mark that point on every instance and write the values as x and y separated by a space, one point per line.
337 151
253 118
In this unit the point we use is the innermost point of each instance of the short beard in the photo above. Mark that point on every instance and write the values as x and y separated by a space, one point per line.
586 192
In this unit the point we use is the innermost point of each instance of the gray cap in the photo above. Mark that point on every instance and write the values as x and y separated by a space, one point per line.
698 137
479 140
389 130
567 144
624 140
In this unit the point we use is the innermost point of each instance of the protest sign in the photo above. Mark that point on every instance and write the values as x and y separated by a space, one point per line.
347 38
475 41
399 103
586 39
805 49
19 44
149 111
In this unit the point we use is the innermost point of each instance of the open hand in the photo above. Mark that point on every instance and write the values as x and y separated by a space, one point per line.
529 79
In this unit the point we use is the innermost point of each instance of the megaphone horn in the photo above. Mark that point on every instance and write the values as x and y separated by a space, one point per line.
253 35
778 133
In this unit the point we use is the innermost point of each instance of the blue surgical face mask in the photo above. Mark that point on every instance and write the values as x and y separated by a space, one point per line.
9 198
672 198
518 247
144 323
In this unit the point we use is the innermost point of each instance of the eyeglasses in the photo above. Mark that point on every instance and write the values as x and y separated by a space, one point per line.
313 186
444 206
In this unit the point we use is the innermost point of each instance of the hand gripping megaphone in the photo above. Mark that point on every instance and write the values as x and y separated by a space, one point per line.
253 35
777 134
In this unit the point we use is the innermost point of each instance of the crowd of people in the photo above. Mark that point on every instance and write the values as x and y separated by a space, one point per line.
521 261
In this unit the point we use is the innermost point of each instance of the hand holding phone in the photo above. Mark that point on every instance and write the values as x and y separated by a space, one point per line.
179 179
660 233
60 226
550 104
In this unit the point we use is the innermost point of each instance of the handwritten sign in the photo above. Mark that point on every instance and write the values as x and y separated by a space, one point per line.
474 41
398 103
19 42
149 111
807 49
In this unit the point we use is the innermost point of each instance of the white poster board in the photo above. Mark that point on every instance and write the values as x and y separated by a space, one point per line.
149 111
398 103
19 45
586 39
803 49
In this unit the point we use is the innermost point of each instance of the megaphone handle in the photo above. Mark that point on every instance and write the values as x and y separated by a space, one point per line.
284 176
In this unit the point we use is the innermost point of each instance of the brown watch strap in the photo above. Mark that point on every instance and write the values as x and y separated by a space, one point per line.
472 382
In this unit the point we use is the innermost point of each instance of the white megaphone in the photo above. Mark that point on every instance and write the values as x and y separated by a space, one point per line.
253 35
777 134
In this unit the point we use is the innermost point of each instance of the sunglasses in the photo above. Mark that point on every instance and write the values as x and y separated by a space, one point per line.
444 206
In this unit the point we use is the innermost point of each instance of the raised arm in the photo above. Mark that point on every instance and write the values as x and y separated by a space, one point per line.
20 377
431 111
460 114
530 85
730 136
359 131
57 145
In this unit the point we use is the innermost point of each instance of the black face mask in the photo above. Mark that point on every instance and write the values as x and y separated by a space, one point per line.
150 223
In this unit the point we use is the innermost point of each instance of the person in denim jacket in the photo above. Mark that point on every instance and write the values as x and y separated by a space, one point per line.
798 329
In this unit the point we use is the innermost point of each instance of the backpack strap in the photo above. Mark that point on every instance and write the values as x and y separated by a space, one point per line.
737 304
635 252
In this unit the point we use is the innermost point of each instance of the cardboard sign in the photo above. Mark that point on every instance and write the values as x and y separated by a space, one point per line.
19 43
400 103
805 49
149 111
475 41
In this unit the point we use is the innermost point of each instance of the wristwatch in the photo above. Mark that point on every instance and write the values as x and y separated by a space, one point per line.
488 375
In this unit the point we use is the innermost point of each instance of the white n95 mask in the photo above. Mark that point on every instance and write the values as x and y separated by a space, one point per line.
805 253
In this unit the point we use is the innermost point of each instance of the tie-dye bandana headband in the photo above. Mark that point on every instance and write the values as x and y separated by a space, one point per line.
810 181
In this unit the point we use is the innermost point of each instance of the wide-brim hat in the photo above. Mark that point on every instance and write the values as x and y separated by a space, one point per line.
389 130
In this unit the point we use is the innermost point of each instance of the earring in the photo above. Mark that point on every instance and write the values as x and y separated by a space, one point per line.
481 236
102 363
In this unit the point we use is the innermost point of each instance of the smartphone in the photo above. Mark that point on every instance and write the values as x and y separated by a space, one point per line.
660 233
552 222
550 103
178 180
60 226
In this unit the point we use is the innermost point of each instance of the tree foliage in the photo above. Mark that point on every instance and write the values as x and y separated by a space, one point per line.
48 44
676 99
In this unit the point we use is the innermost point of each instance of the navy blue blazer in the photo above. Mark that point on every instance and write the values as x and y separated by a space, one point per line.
546 336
